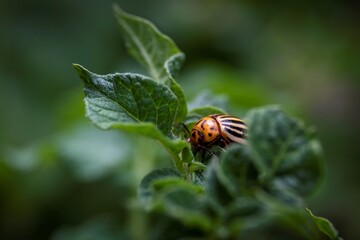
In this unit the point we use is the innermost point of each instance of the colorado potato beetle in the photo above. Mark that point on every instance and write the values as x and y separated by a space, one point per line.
217 129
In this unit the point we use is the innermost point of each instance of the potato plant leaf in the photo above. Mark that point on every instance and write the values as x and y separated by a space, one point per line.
285 151
155 51
174 63
244 186
187 206
146 189
133 103
207 99
218 187
116 99
167 192
149 46
237 166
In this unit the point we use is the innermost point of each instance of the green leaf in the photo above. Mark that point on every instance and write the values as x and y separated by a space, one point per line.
196 166
174 63
132 103
245 214
187 206
163 184
182 200
186 155
288 216
207 99
238 168
149 46
284 150
120 99
203 105
244 207
325 226
146 189
220 191
155 51
172 66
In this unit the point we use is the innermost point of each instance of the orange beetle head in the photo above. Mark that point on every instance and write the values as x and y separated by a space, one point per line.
204 132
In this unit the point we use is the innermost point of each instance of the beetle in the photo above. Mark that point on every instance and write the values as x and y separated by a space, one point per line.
217 129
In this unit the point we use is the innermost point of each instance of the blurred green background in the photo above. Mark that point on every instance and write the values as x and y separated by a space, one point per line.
61 178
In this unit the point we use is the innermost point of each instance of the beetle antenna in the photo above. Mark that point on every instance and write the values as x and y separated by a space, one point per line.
186 128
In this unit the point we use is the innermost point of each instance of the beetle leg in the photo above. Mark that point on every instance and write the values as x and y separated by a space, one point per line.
206 150
221 142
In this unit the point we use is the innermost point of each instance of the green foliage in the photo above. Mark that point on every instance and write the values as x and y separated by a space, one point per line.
285 151
325 226
120 99
155 51
243 191
150 47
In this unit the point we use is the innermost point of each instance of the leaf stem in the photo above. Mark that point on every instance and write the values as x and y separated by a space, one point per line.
175 157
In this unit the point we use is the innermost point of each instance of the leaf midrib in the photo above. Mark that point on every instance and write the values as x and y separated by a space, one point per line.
282 151
143 50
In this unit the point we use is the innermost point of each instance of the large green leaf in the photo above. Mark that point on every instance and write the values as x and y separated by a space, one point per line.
132 103
285 151
121 99
155 51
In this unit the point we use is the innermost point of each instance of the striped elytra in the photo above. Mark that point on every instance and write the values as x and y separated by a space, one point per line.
217 129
